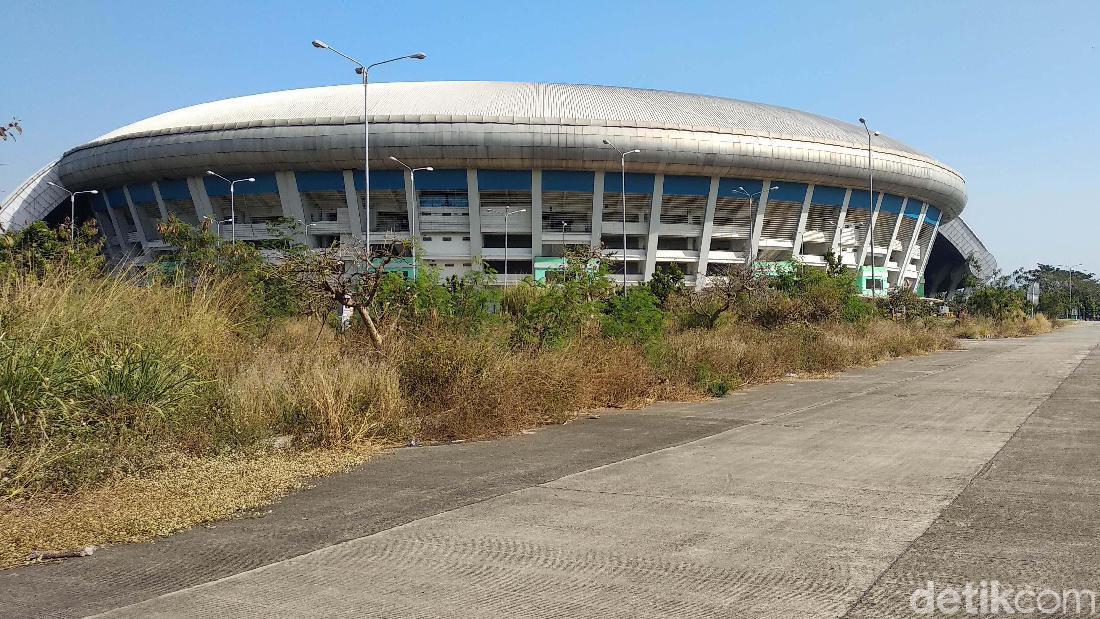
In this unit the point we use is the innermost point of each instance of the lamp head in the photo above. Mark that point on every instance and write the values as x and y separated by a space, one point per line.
636 150
876 133
430 169
774 188
211 173
94 192
53 184
418 56
320 44
862 120
250 179
606 142
741 189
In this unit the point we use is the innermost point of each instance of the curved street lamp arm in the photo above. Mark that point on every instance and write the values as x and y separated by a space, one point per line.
416 56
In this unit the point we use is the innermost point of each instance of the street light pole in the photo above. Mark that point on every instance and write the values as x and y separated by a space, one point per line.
506 214
416 204
364 70
750 257
72 207
232 202
622 166
1070 269
871 198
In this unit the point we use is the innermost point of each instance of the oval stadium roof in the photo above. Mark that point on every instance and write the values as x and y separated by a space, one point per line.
531 101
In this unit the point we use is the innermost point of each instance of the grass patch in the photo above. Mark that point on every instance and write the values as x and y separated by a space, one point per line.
191 492
132 407
981 327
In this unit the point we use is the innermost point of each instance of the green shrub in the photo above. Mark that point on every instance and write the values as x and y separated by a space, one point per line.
857 309
772 309
557 309
37 249
199 254
635 316
904 304
666 282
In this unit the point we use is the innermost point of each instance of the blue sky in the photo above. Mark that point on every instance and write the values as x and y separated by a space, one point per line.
1005 92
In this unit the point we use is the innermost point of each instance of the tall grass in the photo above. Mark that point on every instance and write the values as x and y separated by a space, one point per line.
982 327
95 373
737 354
105 378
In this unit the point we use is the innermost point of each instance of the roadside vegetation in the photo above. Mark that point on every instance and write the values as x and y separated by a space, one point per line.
214 381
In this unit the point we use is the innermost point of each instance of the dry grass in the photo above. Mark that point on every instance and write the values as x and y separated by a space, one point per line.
460 386
136 509
736 355
325 389
980 327
136 410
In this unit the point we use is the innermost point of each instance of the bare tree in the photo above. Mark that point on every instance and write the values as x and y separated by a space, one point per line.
345 277
726 288
10 130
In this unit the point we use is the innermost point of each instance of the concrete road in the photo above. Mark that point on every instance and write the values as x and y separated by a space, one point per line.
808 499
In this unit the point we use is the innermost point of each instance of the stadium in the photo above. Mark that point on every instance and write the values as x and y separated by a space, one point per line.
520 172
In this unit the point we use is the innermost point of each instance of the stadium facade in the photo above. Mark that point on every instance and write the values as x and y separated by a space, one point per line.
716 180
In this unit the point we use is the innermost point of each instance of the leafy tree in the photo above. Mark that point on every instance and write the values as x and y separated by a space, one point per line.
635 315
199 253
559 307
468 298
1062 289
991 295
36 249
997 299
473 295
418 299
666 282
834 265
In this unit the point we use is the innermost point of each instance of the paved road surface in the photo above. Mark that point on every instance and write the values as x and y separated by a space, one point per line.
810 499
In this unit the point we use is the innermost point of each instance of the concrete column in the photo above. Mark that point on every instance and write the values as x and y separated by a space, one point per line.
894 234
758 223
803 217
840 222
411 206
291 202
137 220
597 209
708 230
927 253
106 228
536 213
474 197
654 227
202 200
867 240
123 244
138 226
912 244
355 210
160 202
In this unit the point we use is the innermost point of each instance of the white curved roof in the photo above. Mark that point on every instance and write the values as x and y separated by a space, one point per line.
552 103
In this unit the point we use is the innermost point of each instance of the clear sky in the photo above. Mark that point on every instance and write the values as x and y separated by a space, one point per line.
1006 92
